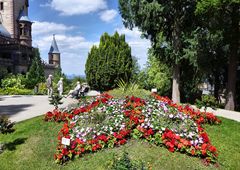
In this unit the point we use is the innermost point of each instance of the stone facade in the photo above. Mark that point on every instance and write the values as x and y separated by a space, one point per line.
10 14
16 51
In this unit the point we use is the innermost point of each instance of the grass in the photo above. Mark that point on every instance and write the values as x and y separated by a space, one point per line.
120 94
33 144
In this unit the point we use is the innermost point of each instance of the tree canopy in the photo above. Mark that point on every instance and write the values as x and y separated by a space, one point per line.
35 74
109 62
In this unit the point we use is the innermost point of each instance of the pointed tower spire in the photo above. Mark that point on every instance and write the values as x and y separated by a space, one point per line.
54 47
54 54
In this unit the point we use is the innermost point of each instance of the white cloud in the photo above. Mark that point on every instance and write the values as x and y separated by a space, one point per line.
49 28
138 45
108 15
77 7
73 49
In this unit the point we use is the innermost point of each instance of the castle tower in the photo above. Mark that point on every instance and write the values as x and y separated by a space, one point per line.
14 14
54 54
25 29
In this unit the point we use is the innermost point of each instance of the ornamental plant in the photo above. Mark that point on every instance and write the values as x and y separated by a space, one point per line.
6 126
105 122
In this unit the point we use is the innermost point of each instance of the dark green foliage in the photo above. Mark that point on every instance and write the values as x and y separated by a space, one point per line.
6 126
3 73
36 71
164 22
207 101
55 100
223 17
191 77
109 62
125 163
167 24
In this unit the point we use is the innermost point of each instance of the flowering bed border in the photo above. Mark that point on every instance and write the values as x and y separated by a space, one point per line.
132 110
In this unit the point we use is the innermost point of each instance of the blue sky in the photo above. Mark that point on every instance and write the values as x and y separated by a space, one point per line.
78 25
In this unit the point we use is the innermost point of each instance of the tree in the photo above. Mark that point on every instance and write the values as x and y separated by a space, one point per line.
35 74
109 62
226 17
158 74
3 73
166 23
56 77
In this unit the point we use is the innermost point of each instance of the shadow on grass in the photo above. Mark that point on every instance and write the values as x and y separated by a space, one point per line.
11 146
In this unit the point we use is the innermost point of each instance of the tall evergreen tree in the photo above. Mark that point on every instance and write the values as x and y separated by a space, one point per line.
166 24
109 62
224 16
35 74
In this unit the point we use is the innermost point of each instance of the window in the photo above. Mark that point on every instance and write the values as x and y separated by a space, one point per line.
1 5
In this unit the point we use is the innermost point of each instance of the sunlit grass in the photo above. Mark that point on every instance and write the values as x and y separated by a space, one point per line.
33 144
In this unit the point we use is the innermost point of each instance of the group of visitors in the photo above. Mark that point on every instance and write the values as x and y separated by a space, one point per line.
78 91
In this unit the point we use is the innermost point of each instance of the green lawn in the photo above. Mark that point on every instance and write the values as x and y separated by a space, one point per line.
33 144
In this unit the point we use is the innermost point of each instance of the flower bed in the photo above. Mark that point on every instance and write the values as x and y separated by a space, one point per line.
106 122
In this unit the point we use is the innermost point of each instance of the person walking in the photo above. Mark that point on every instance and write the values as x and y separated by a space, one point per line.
60 86
49 85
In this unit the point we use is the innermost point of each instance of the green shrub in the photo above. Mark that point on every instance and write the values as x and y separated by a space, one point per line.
129 89
15 91
207 101
16 81
125 163
55 100
42 89
6 126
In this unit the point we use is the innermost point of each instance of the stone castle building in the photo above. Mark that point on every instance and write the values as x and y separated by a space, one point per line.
16 51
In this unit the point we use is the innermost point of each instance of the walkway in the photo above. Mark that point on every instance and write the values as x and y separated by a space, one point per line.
226 114
20 108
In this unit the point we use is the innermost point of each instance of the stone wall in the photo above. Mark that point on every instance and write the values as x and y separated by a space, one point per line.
7 17
10 15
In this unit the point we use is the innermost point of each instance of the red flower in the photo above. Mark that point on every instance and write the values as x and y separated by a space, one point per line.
171 149
65 151
193 152
123 141
205 137
212 149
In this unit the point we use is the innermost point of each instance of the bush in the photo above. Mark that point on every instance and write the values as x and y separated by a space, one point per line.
14 81
6 126
129 89
55 100
207 101
15 91
125 163
42 89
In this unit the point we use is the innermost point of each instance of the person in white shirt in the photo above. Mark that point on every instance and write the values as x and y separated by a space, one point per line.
75 91
60 86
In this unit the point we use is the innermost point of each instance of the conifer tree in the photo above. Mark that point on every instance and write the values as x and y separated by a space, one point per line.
109 62
35 74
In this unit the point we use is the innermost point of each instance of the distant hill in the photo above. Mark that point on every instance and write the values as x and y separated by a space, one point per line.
72 76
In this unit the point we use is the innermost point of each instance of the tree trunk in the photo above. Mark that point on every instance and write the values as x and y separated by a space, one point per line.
216 86
176 66
176 83
233 60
